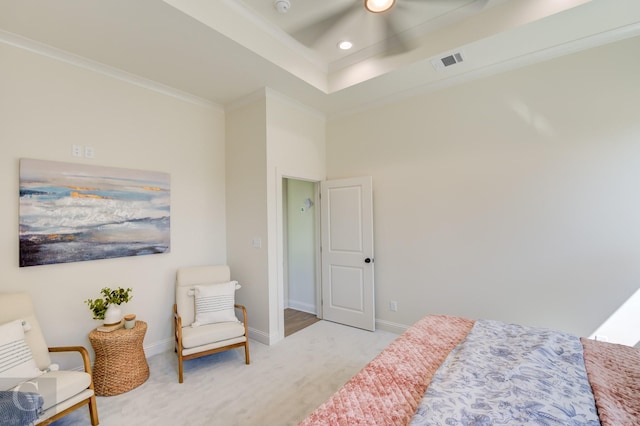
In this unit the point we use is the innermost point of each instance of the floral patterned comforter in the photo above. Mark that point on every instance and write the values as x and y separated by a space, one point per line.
388 391
506 374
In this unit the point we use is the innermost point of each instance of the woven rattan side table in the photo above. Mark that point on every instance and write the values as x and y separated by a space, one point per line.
120 364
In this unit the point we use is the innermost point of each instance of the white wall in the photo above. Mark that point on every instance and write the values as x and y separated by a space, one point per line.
512 198
296 149
623 326
301 246
269 137
247 212
47 105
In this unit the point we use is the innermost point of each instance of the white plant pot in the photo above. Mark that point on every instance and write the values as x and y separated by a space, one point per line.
113 315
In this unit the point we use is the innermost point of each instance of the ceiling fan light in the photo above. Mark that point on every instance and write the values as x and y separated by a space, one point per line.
378 6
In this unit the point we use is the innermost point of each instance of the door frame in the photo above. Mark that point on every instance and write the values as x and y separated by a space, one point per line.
282 174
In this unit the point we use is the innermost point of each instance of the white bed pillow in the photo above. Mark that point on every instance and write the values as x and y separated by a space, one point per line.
214 303
16 360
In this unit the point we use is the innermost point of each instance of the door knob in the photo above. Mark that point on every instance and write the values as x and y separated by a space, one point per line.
368 260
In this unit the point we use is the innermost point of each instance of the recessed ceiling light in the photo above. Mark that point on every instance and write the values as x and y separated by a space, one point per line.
345 45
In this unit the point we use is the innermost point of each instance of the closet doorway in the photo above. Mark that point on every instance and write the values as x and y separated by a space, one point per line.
301 241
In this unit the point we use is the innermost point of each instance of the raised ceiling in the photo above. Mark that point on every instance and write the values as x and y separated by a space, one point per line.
222 51
321 25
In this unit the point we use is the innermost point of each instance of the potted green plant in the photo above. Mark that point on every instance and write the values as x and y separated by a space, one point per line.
107 307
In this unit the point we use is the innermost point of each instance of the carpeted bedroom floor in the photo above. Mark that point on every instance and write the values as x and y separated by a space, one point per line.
281 386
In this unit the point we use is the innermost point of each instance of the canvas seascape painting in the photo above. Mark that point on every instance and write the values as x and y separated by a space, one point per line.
77 212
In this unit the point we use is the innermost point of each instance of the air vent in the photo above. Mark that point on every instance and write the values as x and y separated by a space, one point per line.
447 60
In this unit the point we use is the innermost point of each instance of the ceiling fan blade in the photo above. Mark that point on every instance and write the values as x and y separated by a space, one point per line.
439 1
395 42
477 4
310 34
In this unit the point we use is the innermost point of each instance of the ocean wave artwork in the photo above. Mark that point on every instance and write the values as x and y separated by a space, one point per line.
77 212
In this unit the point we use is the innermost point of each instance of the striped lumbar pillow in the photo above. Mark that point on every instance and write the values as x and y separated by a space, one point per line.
16 361
214 303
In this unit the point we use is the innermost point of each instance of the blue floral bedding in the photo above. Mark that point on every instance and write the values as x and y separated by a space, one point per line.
19 408
505 374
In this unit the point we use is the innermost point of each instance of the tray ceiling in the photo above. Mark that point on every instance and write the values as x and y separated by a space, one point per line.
222 51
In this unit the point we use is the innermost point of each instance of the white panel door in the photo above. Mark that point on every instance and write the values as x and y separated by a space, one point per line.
347 252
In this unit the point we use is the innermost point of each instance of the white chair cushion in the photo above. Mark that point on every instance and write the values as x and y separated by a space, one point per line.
57 386
87 393
16 361
217 345
211 333
214 303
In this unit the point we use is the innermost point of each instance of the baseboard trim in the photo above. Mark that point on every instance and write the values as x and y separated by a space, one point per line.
391 326
259 336
159 347
303 307
166 345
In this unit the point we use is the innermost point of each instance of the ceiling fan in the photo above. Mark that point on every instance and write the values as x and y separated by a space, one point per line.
394 39
374 6
378 6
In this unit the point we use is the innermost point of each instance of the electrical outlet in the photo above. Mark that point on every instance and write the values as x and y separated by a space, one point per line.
393 306
89 152
76 150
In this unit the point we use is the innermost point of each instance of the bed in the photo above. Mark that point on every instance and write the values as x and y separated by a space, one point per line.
456 371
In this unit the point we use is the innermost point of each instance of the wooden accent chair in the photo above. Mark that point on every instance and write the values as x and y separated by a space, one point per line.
204 316
61 391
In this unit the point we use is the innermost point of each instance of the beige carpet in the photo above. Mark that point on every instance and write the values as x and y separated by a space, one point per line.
281 386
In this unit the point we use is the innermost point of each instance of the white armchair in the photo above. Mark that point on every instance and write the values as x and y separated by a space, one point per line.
62 391
204 317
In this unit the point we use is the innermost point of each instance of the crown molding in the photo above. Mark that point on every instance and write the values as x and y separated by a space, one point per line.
268 93
252 97
273 94
575 46
41 49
